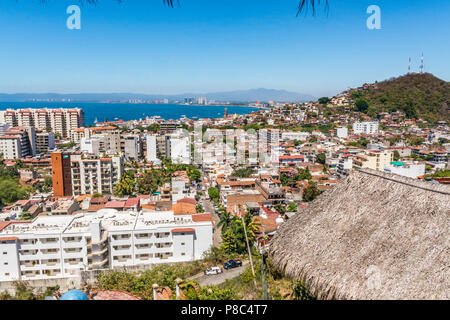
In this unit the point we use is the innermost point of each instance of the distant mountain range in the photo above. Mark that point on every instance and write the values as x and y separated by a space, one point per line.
252 95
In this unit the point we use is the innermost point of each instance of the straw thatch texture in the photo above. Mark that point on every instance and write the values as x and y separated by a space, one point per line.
374 236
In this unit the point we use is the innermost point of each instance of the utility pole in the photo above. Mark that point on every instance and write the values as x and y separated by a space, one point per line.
248 246
263 275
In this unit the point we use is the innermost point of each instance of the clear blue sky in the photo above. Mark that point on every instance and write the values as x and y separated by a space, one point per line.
143 46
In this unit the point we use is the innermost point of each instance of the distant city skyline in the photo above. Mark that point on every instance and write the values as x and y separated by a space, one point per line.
204 46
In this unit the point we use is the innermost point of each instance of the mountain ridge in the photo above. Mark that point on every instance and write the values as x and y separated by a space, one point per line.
251 95
419 95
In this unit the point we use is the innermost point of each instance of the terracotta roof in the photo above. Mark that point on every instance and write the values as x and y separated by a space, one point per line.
115 204
202 217
8 238
183 230
188 200
131 202
95 207
181 208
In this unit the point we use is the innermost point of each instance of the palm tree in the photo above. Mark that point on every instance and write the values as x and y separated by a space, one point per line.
225 220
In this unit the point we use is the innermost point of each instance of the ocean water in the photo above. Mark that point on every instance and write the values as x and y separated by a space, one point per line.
113 111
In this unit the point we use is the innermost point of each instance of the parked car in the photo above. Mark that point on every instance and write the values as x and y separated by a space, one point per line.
213 270
232 264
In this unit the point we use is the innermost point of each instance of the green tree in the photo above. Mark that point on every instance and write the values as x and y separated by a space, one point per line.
26 215
11 191
213 193
321 158
310 193
362 105
229 242
324 100
292 207
416 141
125 187
225 220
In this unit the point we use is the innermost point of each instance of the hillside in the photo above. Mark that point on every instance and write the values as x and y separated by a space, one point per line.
419 95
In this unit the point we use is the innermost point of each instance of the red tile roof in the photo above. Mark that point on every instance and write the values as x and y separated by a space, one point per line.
115 204
201 217
183 230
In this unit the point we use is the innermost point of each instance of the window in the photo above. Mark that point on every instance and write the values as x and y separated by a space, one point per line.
5 252
182 243
183 254
6 263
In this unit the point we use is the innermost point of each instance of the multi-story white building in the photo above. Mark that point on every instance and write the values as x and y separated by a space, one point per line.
342 132
365 127
410 170
60 121
292 135
3 127
92 174
152 148
64 246
180 149
18 142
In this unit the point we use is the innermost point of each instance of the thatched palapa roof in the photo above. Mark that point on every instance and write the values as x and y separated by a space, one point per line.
374 236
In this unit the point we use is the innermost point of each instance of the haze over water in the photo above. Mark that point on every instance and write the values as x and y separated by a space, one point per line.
127 111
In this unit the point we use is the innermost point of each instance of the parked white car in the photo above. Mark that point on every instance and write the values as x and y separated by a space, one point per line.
213 270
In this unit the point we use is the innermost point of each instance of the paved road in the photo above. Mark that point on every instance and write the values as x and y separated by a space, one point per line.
204 280
208 206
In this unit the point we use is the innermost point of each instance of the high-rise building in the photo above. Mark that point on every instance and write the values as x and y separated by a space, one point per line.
60 121
45 142
61 174
18 142
152 148
91 174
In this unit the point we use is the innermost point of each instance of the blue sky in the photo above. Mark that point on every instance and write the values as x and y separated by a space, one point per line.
143 46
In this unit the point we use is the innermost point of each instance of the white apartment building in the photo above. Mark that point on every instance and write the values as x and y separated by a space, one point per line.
152 148
18 142
3 127
365 127
64 246
410 170
342 132
91 174
180 149
292 135
60 121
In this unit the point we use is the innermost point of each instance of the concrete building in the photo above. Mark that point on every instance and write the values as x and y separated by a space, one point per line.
365 127
18 142
375 160
342 132
152 148
3 127
63 246
180 150
45 142
410 170
92 174
60 121
61 174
